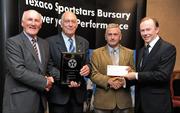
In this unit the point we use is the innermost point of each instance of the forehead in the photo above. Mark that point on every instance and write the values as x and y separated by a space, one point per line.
147 23
114 29
69 16
32 14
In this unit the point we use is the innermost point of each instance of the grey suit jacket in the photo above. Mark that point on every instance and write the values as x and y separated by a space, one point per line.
24 83
153 86
109 98
60 94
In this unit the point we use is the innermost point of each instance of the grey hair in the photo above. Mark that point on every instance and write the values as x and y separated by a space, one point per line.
31 10
112 25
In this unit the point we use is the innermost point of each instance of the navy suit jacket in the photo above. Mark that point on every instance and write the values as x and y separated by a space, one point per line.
60 94
153 85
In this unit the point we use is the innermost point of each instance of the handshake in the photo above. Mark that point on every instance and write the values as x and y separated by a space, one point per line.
118 74
50 81
116 82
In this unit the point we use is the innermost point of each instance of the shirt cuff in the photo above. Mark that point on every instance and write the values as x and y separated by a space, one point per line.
136 76
124 85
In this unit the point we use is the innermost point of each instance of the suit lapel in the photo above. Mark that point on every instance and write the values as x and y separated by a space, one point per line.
29 46
121 56
140 55
79 45
155 48
42 52
152 53
60 44
106 55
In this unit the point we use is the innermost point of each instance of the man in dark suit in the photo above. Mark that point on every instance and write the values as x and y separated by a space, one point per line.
154 69
26 80
67 98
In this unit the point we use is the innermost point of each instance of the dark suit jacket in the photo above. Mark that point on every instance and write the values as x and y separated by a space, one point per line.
153 85
24 83
60 94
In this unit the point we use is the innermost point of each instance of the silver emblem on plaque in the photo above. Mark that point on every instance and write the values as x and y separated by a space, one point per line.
72 63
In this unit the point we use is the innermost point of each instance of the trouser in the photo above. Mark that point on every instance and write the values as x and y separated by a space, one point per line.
116 110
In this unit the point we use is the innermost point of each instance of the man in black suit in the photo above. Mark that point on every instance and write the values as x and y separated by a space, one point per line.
154 68
26 80
67 98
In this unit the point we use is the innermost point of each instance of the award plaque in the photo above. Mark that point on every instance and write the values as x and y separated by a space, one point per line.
71 63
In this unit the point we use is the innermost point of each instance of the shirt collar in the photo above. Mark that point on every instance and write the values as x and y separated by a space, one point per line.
153 42
65 37
66 40
111 49
29 37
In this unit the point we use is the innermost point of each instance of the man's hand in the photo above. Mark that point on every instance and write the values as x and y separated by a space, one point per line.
116 82
131 76
85 70
50 81
129 69
74 84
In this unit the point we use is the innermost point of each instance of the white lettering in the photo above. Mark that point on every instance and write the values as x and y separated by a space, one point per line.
101 13
39 4
78 11
48 20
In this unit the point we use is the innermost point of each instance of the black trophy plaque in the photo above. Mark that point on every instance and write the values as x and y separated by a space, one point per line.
71 63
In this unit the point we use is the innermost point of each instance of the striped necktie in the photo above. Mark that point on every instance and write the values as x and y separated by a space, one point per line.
34 41
71 47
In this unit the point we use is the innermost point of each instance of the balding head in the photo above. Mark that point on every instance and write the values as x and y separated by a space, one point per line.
69 23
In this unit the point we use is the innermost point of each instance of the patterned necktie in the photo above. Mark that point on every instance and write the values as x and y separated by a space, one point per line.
34 41
71 47
115 57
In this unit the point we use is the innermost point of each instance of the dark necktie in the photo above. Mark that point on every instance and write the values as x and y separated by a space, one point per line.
145 54
71 47
35 46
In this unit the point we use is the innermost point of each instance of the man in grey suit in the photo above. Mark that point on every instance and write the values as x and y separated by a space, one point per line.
155 65
62 97
26 80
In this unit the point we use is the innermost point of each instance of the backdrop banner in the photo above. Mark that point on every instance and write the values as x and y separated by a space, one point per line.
93 17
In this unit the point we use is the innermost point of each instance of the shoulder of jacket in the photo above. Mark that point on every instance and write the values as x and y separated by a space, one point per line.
126 49
81 38
100 49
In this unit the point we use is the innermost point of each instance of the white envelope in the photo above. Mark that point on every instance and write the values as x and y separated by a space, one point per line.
116 70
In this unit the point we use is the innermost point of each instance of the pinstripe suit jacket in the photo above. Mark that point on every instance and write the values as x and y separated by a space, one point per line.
24 82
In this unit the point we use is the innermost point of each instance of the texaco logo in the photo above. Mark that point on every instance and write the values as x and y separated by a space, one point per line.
72 63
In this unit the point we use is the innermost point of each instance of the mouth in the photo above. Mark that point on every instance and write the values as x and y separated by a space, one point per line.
146 36
31 27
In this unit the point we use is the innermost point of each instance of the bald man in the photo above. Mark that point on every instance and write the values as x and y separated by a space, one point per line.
63 97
